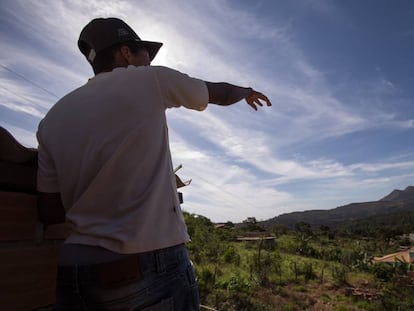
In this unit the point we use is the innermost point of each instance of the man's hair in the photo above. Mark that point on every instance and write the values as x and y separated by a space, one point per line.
105 60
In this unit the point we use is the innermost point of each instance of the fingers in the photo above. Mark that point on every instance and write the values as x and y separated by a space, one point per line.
264 98
252 105
255 99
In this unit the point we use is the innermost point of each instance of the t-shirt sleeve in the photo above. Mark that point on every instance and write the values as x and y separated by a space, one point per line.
46 173
179 89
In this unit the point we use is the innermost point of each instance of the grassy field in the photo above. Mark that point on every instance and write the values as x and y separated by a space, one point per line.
324 274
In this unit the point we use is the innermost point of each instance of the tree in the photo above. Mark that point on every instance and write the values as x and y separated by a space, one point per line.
304 234
279 229
251 224
205 245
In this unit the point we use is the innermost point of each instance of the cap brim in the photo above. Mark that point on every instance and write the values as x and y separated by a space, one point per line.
152 47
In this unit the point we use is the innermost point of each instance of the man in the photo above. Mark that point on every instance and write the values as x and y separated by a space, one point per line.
105 166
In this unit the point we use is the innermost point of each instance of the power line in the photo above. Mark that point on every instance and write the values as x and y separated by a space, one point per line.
29 109
30 81
13 93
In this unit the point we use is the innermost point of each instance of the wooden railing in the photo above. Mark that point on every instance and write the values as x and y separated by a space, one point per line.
28 250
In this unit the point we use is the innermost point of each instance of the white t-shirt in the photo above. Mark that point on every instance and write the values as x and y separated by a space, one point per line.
105 148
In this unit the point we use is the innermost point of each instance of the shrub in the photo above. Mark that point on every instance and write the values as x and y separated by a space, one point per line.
339 274
365 305
206 279
383 271
230 255
235 283
289 307
308 272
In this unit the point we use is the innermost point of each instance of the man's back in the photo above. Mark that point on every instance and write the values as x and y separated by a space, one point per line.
109 143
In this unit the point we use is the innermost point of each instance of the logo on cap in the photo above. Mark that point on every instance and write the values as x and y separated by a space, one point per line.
122 32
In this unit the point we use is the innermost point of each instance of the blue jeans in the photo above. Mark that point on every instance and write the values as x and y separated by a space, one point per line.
164 281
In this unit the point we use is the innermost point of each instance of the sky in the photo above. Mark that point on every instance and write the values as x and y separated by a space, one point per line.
339 75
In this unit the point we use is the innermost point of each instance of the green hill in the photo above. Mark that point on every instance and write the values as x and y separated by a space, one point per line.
398 201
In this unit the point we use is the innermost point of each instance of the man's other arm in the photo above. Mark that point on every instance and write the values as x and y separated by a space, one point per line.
224 94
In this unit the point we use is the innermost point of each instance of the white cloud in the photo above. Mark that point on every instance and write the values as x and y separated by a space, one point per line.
223 190
383 166
254 147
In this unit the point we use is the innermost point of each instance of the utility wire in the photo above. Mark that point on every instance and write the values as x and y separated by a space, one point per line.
13 93
30 81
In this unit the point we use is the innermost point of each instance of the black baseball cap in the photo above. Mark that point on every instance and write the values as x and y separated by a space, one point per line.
102 33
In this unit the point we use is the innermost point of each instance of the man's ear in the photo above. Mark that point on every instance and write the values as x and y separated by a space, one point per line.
125 53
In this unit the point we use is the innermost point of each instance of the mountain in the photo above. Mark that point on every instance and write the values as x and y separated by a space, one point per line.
398 195
397 201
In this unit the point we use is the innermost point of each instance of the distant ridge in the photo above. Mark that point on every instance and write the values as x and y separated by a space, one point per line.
398 195
396 202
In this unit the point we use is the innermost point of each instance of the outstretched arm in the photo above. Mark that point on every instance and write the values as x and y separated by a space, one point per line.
224 94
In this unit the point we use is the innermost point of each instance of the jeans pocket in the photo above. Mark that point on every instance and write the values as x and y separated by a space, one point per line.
190 274
163 305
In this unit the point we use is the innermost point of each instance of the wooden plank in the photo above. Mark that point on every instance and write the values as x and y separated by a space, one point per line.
12 151
18 216
32 300
17 177
17 199
28 276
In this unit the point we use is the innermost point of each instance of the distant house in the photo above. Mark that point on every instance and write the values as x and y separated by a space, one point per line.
402 256
268 239
219 226
226 225
409 236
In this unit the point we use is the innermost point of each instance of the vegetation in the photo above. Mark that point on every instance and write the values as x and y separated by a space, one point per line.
383 226
302 269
